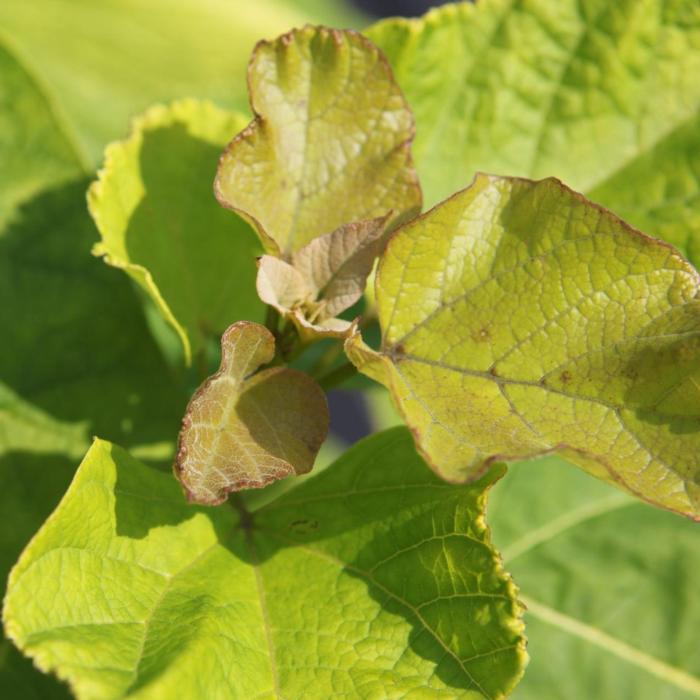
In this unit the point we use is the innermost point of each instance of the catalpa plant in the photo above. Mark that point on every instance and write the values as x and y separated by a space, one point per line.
517 319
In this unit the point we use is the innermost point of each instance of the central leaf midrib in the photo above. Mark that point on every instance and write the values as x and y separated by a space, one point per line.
597 637
235 392
561 524
264 613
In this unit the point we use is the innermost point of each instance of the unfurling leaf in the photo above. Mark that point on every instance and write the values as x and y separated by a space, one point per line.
325 277
330 142
373 579
244 429
519 319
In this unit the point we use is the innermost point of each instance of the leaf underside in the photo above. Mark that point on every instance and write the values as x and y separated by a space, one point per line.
373 579
538 322
324 278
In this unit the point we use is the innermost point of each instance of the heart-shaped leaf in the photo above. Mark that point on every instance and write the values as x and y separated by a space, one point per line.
244 429
330 142
519 319
372 579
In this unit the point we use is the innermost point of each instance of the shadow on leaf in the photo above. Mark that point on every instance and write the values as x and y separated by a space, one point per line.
201 256
76 345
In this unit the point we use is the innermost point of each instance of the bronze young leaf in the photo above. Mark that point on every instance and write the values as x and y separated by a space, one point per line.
245 429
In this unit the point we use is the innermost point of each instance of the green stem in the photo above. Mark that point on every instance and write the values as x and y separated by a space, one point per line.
327 358
295 351
337 376
237 502
272 320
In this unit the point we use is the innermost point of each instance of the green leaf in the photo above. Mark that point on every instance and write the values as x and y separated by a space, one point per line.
330 143
34 148
101 63
32 487
373 579
603 95
520 319
77 358
609 583
160 223
244 430
326 277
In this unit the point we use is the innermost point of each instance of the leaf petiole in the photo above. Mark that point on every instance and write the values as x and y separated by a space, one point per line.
337 376
272 320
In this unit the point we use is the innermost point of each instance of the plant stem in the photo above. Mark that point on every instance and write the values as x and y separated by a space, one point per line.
272 320
327 358
337 376
238 504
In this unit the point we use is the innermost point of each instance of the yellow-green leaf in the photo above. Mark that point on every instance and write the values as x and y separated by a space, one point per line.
244 430
330 143
519 319
160 223
373 579
603 95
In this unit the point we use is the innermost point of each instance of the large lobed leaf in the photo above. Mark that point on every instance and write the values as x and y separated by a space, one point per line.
603 95
520 319
160 223
374 579
329 145
609 584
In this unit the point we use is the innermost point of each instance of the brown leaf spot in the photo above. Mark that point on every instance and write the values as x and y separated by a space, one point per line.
483 335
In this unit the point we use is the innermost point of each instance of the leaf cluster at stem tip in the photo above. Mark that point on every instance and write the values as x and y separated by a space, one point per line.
517 317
